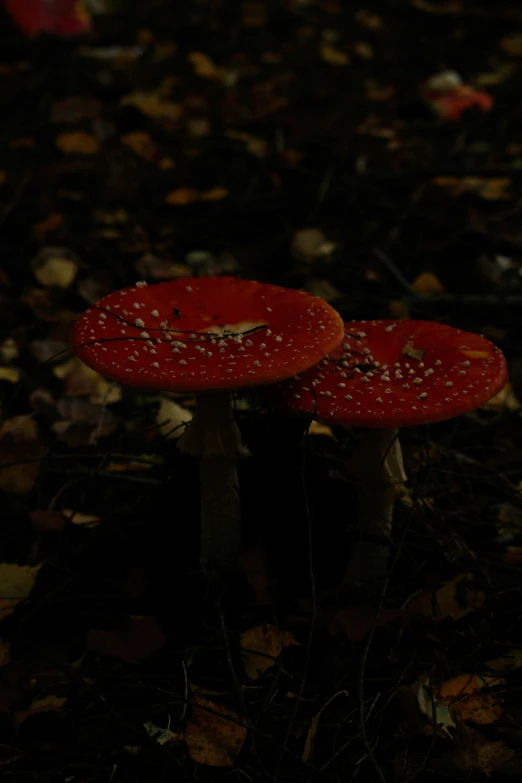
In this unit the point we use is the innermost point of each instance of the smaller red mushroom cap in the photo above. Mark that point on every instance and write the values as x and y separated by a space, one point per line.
397 373
205 333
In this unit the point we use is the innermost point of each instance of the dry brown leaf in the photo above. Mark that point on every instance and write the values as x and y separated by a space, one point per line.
466 698
454 599
261 646
21 450
16 583
204 67
507 663
47 704
140 143
138 637
213 739
77 143
474 751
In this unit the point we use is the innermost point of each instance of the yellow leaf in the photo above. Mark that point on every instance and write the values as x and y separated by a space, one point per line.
427 283
330 54
55 271
261 646
213 739
11 374
16 583
77 143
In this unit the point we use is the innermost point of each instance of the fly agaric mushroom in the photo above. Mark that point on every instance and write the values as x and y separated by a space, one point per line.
210 336
385 375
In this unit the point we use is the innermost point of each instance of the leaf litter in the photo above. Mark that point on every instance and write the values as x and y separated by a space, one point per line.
307 150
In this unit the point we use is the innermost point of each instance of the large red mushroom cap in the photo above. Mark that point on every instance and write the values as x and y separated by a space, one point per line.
207 333
398 373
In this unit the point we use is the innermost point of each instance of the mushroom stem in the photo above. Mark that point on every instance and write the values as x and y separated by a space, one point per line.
214 437
381 468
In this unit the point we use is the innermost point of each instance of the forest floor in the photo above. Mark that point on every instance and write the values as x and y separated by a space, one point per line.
296 142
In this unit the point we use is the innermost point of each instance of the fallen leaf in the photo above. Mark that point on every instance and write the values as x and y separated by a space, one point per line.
10 374
464 695
54 270
428 705
356 621
50 223
213 739
171 418
154 104
308 750
203 66
182 196
140 143
474 751
82 520
21 450
137 638
261 646
16 583
507 663
46 704
454 599
332 55
77 143
427 284
214 194
488 188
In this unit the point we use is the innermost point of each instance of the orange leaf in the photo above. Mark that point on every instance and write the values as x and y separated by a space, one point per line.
77 143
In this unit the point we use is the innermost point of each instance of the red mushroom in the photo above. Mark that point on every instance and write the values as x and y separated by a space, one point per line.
385 375
209 336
